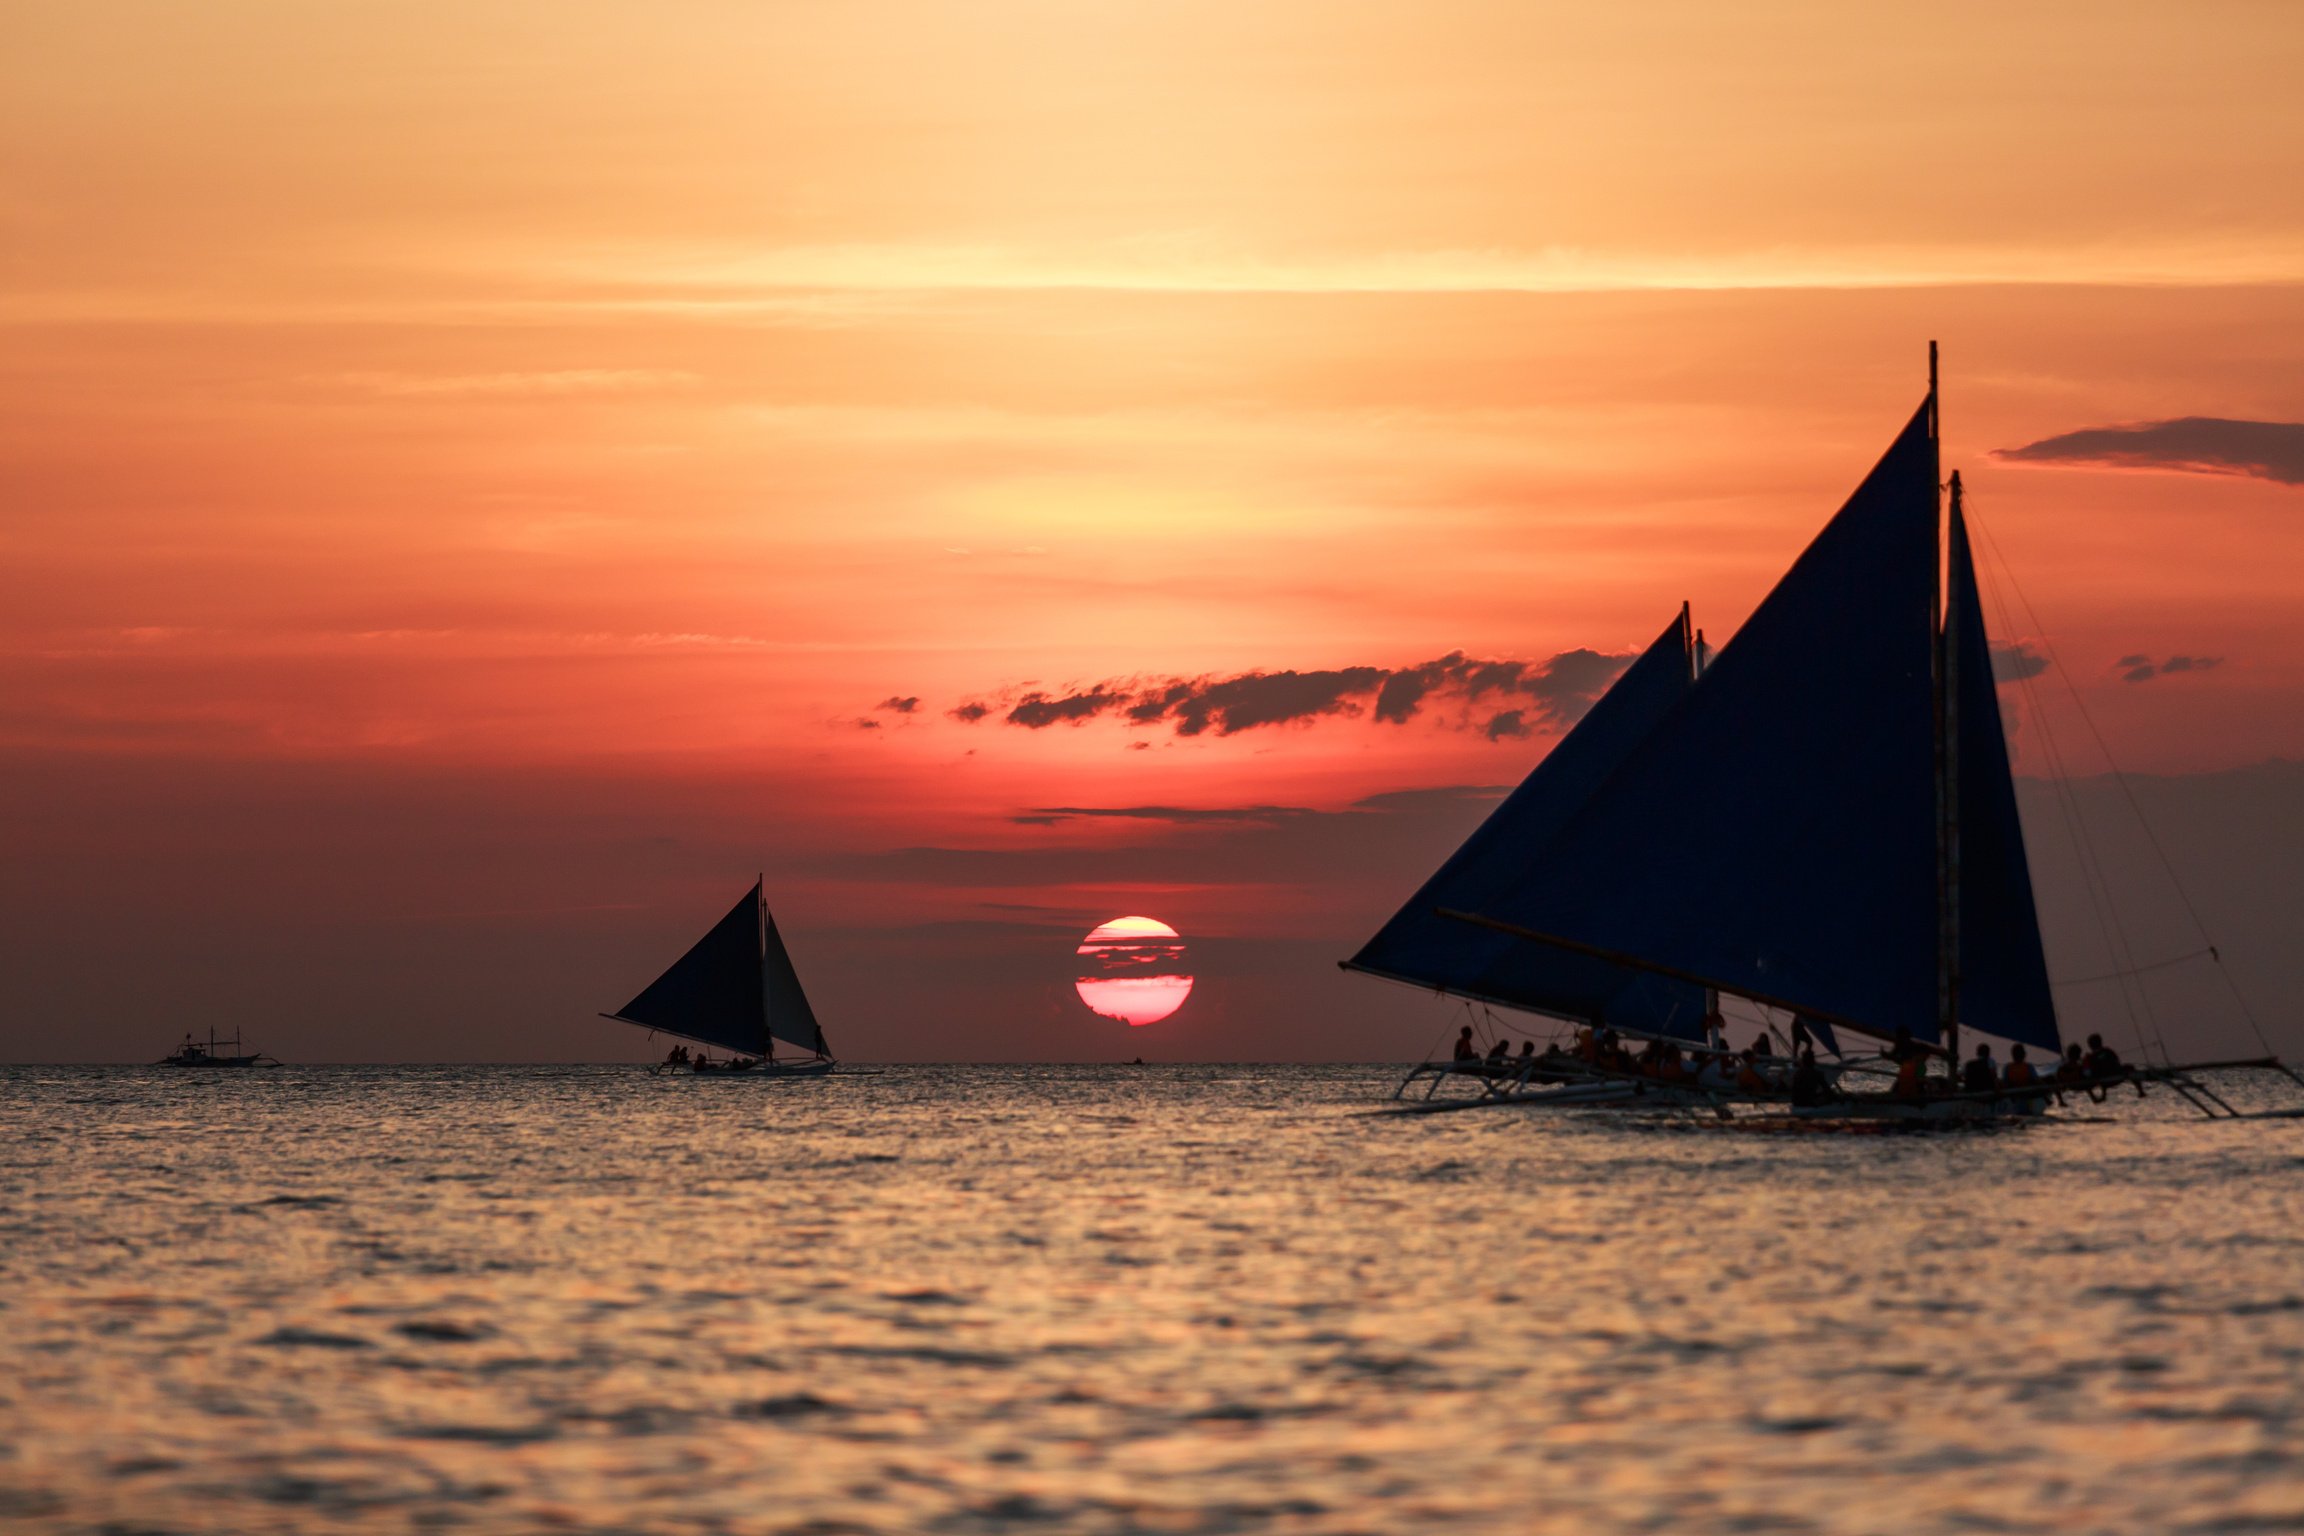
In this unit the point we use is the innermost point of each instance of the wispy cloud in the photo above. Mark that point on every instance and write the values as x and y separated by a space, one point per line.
2207 445
2142 669
562 381
1531 695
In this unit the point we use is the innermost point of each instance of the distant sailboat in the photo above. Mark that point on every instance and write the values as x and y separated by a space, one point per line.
1822 821
735 989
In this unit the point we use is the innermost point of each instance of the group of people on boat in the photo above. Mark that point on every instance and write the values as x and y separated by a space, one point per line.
1758 1069
1715 1064
2090 1071
680 1056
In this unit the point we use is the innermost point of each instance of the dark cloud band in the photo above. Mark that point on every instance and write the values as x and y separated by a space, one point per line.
1520 697
2264 450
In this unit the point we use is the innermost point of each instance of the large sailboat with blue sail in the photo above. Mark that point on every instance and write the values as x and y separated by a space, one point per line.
735 990
1820 821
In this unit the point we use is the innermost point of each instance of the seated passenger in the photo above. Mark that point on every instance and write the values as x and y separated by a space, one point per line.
2019 1073
1980 1076
1748 1075
2071 1069
1808 1085
1911 1081
2103 1061
1465 1049
1498 1051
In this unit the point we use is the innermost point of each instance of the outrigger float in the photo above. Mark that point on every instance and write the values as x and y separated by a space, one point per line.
1820 821
736 990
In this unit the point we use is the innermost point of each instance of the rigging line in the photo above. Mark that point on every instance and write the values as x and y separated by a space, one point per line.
2098 889
2135 809
2157 965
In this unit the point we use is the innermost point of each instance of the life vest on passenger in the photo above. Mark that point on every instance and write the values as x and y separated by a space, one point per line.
2020 1075
1908 1076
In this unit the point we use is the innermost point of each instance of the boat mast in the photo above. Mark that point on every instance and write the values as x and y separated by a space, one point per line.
760 935
1947 729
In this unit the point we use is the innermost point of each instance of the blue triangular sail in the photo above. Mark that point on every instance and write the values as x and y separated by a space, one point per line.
1775 835
713 993
2003 970
790 1019
1420 946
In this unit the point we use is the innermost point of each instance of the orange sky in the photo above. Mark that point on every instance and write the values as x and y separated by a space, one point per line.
546 396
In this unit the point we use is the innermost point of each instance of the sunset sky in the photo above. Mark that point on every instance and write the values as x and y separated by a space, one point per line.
480 482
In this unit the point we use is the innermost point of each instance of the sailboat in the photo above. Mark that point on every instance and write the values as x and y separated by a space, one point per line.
735 989
1820 821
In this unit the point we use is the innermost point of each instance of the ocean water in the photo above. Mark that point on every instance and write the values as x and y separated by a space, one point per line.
1174 1300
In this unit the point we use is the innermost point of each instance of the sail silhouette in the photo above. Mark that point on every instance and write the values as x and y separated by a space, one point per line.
735 988
2003 972
1420 946
1824 820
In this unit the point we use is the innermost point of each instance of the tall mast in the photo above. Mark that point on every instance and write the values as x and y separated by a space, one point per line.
1946 725
1948 945
760 933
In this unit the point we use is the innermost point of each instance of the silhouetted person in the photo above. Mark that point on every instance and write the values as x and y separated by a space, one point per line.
2021 1075
1980 1076
1808 1085
1465 1049
1911 1058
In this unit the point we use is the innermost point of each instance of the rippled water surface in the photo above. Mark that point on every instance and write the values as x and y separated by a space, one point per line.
1107 1299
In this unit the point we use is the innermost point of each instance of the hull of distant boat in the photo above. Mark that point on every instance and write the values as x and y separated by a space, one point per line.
776 1069
218 1061
1923 1111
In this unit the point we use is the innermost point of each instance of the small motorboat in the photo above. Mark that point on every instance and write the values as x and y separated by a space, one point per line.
216 1053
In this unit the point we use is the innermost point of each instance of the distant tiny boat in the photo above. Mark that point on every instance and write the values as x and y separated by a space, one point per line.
736 990
193 1054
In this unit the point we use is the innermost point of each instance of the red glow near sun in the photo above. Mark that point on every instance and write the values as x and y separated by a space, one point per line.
1131 970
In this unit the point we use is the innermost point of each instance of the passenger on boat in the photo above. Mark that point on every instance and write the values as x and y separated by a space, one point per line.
1716 1031
678 1058
2103 1067
1465 1049
2021 1075
1911 1058
2071 1069
1980 1076
1501 1049
1809 1087
1760 1045
1748 1075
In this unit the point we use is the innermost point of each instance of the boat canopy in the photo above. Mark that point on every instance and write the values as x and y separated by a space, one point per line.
1420 946
735 989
